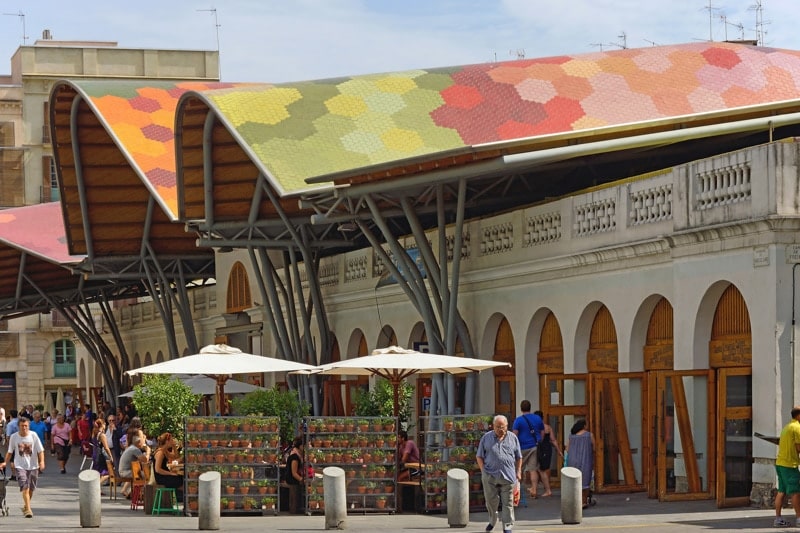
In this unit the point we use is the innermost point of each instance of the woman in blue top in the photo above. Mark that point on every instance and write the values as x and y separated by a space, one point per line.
580 455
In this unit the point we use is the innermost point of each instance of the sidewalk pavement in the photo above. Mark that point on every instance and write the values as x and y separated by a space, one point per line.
55 507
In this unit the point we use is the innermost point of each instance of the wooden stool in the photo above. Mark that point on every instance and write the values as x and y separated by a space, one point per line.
416 491
158 501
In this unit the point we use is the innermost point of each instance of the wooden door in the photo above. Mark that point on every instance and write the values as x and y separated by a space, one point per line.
618 416
735 436
563 400
505 394
681 435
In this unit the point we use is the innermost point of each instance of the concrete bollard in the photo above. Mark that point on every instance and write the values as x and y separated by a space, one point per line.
333 483
571 495
208 492
457 497
89 498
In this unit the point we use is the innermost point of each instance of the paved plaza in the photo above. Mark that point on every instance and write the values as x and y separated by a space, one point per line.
55 507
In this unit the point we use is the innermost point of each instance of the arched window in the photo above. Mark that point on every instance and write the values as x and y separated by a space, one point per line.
239 297
64 359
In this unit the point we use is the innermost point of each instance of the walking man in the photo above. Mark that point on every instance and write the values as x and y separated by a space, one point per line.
500 459
28 462
529 429
786 463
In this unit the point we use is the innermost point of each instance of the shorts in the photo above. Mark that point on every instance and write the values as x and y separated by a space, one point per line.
530 460
788 479
27 479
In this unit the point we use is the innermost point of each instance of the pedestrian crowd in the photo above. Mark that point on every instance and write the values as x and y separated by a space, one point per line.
102 437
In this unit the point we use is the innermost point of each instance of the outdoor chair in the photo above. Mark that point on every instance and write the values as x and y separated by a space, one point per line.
114 479
138 481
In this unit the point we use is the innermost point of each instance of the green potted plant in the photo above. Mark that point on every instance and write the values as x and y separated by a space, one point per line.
249 503
268 502
282 406
162 403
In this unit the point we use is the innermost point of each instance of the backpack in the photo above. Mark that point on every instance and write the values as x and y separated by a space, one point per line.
544 453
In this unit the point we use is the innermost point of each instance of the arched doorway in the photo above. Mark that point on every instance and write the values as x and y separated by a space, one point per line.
554 403
505 383
730 355
617 411
678 433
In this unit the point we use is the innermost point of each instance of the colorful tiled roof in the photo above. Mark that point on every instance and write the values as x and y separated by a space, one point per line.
318 128
39 230
314 129
142 119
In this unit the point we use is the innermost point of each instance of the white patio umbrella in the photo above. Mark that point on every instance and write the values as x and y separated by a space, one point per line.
395 364
220 362
206 386
60 401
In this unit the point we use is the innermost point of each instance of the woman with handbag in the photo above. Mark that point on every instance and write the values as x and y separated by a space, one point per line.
102 451
62 441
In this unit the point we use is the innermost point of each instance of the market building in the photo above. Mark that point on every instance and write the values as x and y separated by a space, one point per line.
620 226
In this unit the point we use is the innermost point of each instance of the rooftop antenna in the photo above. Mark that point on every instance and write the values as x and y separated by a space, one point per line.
597 45
652 43
519 52
213 11
623 44
711 10
21 15
758 7
739 26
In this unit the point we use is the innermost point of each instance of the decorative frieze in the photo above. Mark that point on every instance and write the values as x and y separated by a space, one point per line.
450 242
355 269
497 239
329 274
723 186
651 205
542 229
378 266
595 217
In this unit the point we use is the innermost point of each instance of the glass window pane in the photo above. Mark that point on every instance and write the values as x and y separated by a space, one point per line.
739 391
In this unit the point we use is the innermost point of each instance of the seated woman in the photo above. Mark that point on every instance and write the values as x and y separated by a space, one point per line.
163 457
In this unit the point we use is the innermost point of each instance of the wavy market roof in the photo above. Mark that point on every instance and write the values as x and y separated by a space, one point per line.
321 128
306 132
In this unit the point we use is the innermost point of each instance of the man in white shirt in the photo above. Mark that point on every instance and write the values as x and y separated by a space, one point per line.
28 462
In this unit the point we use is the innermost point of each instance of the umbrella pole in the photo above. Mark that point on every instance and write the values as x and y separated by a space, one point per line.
396 392
221 407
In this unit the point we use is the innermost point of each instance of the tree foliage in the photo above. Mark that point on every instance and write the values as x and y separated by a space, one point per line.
380 401
285 404
162 402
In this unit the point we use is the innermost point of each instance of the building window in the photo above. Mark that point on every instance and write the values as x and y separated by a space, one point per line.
64 356
238 290
55 195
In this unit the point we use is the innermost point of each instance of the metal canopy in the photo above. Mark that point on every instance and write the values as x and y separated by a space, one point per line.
117 199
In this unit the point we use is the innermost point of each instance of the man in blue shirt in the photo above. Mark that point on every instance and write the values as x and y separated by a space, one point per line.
39 426
500 459
529 428
13 424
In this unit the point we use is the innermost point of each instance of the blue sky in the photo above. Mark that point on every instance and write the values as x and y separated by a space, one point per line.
292 40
